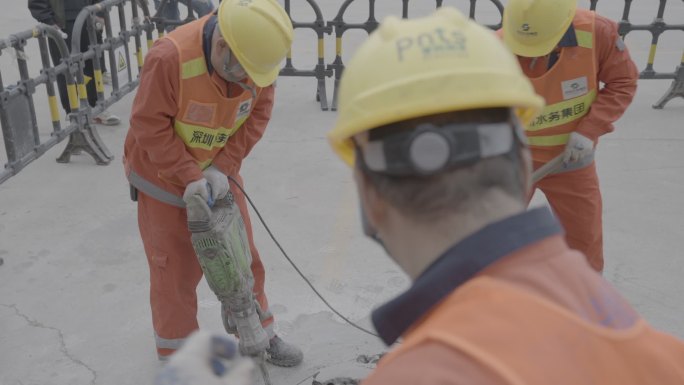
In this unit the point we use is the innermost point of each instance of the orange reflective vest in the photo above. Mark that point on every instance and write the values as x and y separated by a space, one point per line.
569 87
206 118
528 340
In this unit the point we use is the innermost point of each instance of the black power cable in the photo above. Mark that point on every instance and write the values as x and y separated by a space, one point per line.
293 264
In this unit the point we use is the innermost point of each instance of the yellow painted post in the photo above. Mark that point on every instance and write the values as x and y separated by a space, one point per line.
651 54
54 111
139 56
99 84
73 97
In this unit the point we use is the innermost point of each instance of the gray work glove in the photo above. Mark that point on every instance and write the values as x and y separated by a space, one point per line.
218 182
207 359
198 187
578 148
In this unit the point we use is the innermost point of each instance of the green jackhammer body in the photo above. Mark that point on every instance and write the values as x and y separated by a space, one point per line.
220 242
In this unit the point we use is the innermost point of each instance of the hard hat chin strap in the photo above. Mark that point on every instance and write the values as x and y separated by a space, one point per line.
430 149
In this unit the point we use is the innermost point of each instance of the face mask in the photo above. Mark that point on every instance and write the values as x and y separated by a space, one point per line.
234 72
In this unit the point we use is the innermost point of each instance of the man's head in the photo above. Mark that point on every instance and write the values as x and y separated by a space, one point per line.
430 114
533 28
251 39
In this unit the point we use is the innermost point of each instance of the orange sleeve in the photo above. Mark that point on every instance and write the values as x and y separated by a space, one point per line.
241 143
154 109
618 73
433 363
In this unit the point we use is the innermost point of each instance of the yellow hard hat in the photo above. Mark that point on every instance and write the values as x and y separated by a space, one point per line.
533 28
259 33
425 66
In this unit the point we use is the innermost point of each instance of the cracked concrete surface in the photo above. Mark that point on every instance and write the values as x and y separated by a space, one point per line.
74 282
62 346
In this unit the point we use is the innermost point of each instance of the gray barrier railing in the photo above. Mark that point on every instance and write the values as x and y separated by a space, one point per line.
86 138
340 27
18 114
656 28
320 72
17 110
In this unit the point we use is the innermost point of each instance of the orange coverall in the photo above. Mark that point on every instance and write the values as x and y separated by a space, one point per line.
153 149
575 195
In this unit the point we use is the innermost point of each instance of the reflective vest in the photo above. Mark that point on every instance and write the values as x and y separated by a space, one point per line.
569 87
528 340
206 118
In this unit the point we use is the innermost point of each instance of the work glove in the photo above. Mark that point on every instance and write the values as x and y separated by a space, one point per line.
218 182
207 359
198 187
578 148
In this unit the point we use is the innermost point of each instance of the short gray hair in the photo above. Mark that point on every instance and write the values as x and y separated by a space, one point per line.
456 190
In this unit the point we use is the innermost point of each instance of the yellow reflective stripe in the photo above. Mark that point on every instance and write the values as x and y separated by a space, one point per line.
194 67
54 111
561 113
551 140
651 54
584 39
73 97
99 85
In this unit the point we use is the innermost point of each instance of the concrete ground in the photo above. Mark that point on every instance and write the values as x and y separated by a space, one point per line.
74 283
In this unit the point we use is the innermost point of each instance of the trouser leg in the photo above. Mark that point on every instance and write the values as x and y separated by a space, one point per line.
88 70
61 81
174 272
575 197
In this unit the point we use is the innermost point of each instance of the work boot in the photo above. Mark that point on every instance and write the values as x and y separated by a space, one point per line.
281 353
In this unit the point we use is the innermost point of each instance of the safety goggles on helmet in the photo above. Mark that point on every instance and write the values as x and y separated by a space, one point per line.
430 149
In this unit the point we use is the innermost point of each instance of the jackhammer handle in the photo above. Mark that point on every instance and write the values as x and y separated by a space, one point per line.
547 169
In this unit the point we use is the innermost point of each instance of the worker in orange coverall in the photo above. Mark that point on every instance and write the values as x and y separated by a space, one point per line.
566 53
205 98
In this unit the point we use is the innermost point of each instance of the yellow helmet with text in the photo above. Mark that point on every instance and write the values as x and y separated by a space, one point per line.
533 28
259 33
425 66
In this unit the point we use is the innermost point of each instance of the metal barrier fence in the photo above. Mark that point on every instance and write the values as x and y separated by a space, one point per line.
340 27
18 114
656 28
320 72
18 117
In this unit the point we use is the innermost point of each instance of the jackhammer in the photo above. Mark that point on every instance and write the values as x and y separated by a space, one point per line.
220 242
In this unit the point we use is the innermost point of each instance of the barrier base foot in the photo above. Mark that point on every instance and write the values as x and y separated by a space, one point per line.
321 95
86 139
676 89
